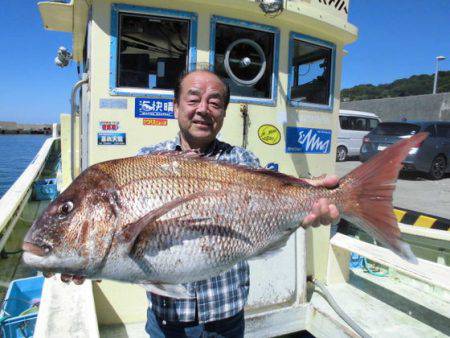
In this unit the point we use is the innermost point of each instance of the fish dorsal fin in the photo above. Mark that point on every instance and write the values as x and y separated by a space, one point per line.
195 154
286 179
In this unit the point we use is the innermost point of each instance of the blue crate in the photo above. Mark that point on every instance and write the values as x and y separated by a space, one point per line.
22 294
20 298
18 327
44 190
356 261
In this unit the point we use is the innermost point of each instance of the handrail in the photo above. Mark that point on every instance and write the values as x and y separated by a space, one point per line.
13 198
66 310
440 235
72 124
426 271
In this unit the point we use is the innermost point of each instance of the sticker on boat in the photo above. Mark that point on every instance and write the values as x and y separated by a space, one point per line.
308 140
154 108
111 139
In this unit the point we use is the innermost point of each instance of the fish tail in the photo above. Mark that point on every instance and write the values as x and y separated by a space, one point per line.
368 193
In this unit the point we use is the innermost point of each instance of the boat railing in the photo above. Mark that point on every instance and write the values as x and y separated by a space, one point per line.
341 246
15 199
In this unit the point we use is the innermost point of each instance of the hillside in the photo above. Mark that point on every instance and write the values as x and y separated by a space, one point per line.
414 85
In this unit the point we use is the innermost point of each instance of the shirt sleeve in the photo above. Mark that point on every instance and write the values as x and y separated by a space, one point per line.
244 157
166 145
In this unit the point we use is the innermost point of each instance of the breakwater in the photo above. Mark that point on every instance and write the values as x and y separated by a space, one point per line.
19 128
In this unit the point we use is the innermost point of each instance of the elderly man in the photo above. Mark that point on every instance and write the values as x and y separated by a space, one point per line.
216 308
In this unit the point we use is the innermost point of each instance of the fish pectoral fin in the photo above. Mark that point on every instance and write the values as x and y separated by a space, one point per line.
178 291
132 230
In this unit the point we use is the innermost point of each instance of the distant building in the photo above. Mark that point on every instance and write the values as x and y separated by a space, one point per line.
430 107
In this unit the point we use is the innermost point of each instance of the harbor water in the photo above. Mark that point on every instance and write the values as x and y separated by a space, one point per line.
16 152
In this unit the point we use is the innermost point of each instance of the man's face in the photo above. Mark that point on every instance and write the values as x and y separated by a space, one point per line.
201 107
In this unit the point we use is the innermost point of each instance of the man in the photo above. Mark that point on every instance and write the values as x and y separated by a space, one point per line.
216 306
216 309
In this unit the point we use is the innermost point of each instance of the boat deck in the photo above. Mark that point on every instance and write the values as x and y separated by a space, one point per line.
387 306
11 266
395 305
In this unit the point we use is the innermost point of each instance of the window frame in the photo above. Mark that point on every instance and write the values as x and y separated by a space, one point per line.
272 101
117 9
294 36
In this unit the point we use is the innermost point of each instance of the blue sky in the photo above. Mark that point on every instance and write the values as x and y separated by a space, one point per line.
396 39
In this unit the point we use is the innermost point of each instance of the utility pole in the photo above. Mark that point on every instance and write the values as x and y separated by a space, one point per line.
438 58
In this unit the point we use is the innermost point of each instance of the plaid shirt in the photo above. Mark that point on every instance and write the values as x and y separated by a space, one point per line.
219 297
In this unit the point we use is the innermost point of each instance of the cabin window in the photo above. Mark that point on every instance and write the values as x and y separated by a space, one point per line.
311 72
245 55
151 49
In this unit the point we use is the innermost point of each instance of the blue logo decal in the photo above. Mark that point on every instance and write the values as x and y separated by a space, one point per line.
111 139
154 108
308 140
272 166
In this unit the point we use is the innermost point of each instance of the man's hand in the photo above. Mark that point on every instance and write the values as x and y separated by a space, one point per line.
322 212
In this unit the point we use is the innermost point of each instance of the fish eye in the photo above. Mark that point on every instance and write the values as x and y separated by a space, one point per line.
66 207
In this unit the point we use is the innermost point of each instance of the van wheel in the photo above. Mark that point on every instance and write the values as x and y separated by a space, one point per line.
438 167
341 154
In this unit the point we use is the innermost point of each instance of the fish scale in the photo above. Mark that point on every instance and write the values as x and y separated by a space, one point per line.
174 217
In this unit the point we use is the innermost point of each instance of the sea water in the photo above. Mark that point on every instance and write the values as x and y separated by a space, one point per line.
16 152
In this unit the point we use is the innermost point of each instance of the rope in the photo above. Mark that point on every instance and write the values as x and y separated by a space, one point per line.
372 272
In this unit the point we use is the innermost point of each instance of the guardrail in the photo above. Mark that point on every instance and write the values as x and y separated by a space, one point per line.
15 199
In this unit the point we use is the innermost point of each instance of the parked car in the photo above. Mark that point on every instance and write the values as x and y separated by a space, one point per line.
431 157
353 126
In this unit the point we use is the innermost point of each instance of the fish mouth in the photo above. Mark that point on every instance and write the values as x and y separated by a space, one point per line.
38 250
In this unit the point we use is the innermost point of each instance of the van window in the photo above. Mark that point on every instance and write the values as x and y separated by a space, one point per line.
357 123
373 123
396 129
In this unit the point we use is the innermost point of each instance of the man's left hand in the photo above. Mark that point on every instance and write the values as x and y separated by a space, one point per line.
322 212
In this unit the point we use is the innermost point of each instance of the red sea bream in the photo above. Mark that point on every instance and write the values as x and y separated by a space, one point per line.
173 217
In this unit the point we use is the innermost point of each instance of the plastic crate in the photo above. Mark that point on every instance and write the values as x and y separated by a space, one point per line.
356 261
44 190
21 298
18 327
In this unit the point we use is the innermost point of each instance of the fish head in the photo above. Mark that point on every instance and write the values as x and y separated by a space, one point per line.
75 232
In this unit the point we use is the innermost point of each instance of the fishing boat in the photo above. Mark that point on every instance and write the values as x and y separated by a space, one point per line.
283 62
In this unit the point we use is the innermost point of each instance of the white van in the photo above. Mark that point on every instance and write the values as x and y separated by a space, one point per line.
353 126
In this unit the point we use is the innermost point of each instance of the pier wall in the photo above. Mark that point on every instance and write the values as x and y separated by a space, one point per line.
430 107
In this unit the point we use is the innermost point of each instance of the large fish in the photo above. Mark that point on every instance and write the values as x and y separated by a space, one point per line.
170 218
